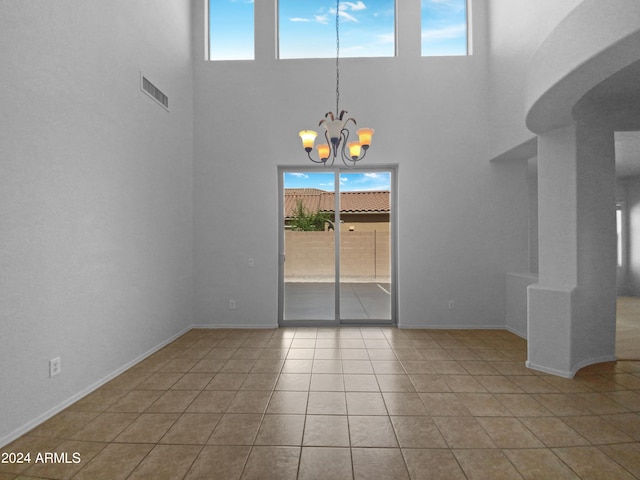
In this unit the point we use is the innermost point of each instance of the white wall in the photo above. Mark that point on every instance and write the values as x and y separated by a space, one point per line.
516 30
95 194
462 220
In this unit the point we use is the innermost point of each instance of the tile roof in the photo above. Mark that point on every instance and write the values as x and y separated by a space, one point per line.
315 200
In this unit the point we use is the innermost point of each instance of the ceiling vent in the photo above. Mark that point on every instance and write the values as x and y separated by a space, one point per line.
153 91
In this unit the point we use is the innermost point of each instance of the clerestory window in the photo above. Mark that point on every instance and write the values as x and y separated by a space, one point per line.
444 28
307 29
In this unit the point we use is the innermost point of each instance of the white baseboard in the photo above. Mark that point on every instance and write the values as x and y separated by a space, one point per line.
233 325
516 332
452 327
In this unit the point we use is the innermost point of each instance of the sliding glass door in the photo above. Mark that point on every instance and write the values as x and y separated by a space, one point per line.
337 246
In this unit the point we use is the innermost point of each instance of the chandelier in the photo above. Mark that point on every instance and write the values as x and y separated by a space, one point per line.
336 132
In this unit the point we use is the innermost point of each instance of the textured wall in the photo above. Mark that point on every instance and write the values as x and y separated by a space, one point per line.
95 194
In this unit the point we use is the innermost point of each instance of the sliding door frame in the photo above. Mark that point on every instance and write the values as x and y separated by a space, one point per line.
393 232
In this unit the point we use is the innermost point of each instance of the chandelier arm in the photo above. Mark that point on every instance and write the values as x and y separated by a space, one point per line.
311 158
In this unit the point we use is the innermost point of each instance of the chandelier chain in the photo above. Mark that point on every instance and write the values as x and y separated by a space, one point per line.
337 56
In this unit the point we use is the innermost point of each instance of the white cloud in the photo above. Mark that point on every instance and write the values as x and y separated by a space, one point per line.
353 6
321 19
298 19
299 174
454 31
347 16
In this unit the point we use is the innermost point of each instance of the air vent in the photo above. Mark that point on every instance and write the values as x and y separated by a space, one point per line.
153 91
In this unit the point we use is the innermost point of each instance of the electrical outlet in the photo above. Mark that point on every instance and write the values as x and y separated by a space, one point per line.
452 304
54 367
232 304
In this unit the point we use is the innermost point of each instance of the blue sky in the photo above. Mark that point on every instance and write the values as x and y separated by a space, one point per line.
307 28
349 182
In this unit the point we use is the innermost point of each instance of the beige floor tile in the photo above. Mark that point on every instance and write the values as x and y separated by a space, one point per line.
211 401
192 428
597 430
209 365
361 383
236 429
626 454
553 432
248 401
116 461
260 381
599 404
166 462
285 430
532 384
353 353
297 366
592 464
327 366
326 403
365 403
628 399
486 465
105 427
387 367
404 403
508 432
498 384
238 365
463 432
247 352
562 404
272 366
539 464
417 432
64 424
463 383
363 367
160 381
193 381
226 381
371 431
98 401
395 383
288 402
180 365
294 382
418 367
325 464
147 428
448 367
381 354
628 423
432 464
136 401
444 405
272 463
327 382
173 401
274 353
429 383
523 405
483 405
378 464
478 367
326 431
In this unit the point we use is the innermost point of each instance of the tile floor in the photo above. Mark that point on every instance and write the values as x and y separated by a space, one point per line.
364 403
